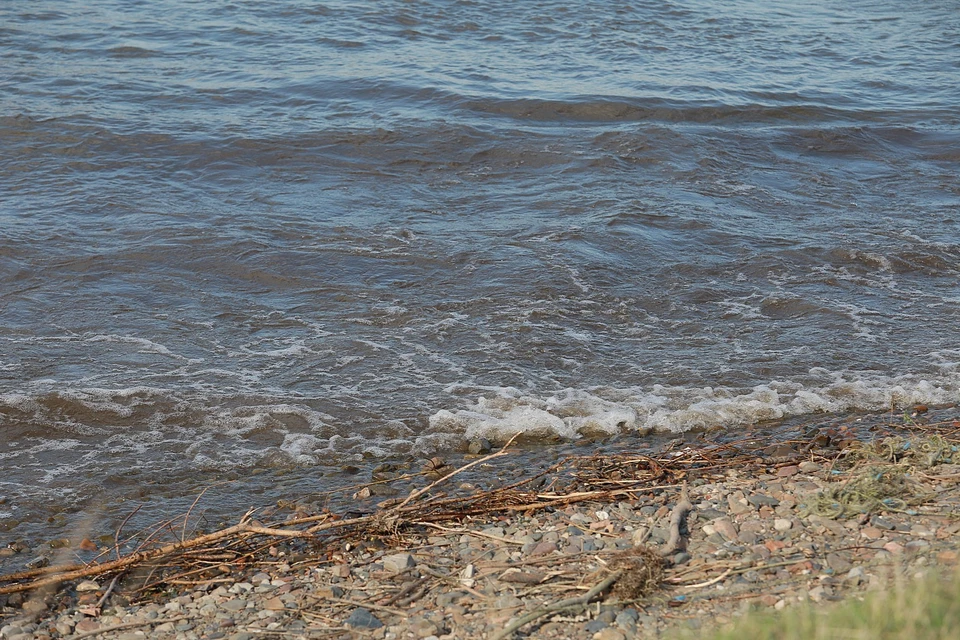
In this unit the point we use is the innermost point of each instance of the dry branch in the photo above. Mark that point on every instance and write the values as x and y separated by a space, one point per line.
578 602
676 541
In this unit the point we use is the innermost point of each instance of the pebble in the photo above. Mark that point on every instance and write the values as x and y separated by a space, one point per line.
782 524
726 528
761 500
894 548
594 626
479 445
543 548
87 585
838 563
872 533
362 618
627 618
399 562
769 599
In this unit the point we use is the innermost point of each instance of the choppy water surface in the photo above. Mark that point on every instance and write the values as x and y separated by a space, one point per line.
264 239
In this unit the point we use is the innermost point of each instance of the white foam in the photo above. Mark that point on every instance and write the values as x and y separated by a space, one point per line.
146 346
574 413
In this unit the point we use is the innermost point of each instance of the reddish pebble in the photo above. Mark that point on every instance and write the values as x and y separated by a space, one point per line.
87 545
543 549
948 557
893 548
871 532
784 472
86 626
800 567
769 599
774 545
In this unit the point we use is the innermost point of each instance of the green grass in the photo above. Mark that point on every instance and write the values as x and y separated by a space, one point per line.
925 609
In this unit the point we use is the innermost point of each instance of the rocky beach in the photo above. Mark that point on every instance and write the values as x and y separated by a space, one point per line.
602 546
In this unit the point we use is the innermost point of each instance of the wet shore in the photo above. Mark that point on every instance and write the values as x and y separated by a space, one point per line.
601 544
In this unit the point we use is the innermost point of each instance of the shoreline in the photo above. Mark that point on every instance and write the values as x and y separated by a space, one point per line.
583 545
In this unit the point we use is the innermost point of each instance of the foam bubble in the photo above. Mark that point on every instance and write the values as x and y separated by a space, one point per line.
574 413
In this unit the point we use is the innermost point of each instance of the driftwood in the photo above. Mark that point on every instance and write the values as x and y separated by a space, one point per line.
245 528
572 480
676 542
564 605
142 557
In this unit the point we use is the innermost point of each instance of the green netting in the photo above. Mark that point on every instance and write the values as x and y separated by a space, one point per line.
871 489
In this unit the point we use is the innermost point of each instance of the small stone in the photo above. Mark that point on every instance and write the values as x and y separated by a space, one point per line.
738 503
753 526
809 466
479 445
543 548
769 600
33 607
786 472
87 545
87 626
274 604
362 618
947 557
593 626
856 575
760 551
423 628
817 594
398 562
782 524
894 548
747 537
760 500
681 558
87 585
517 576
726 528
627 619
871 532
640 536
883 523
235 604
838 563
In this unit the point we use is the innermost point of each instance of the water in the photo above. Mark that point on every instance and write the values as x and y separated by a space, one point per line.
259 241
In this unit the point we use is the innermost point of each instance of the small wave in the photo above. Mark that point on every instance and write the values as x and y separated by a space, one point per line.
639 110
575 413
131 52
